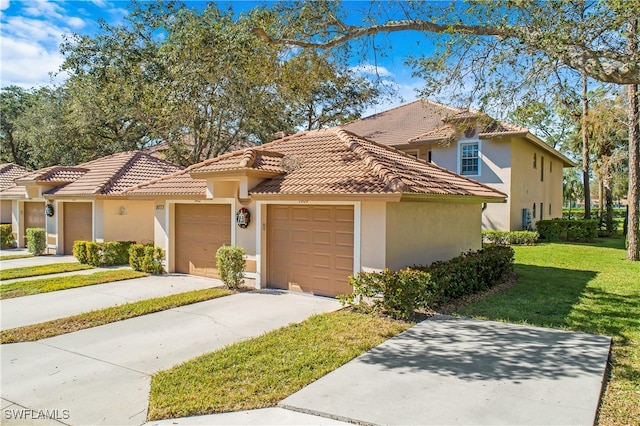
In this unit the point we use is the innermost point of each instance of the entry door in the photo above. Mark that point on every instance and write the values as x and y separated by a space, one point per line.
78 224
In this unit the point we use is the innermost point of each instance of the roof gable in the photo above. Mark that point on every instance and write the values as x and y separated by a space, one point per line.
9 172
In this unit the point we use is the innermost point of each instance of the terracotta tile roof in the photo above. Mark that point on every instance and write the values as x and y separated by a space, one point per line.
9 172
444 133
178 183
53 174
397 125
335 161
324 162
113 174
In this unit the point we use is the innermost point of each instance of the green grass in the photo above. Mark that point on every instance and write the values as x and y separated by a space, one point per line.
31 333
33 271
45 285
262 371
15 256
583 287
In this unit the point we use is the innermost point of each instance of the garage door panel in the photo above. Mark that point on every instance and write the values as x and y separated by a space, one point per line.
78 224
200 229
310 250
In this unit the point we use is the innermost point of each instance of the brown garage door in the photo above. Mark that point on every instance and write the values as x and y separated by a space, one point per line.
200 230
33 215
77 224
310 248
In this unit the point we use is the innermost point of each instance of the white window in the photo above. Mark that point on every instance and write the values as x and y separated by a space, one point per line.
470 158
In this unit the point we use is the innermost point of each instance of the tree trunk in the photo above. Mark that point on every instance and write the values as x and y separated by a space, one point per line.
634 154
634 189
585 149
600 197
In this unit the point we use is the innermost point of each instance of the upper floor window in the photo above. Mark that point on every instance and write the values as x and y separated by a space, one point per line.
429 159
470 158
535 161
541 169
414 153
550 166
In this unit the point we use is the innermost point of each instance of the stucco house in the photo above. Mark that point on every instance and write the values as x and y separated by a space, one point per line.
313 208
507 158
8 173
86 201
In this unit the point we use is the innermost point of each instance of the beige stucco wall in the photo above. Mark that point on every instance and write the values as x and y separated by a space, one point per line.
528 188
373 238
424 232
125 220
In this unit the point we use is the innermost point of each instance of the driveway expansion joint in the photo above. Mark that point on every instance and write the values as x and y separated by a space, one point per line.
326 415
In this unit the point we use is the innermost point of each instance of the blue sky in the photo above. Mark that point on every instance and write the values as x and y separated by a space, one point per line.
31 32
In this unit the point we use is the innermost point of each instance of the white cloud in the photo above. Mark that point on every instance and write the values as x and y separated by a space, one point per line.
372 70
30 37
4 4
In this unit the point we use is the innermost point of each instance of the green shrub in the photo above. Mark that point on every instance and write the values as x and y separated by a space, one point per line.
6 237
510 238
397 294
36 241
568 230
231 265
80 251
146 258
102 254
400 293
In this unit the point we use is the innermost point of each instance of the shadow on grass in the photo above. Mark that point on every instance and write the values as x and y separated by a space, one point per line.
542 296
474 350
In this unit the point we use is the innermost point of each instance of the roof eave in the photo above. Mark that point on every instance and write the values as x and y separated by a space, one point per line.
388 196
457 199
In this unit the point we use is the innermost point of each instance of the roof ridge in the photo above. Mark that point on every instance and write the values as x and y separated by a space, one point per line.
111 179
388 176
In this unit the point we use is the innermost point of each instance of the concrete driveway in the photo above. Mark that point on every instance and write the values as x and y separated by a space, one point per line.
32 261
102 375
59 304
456 371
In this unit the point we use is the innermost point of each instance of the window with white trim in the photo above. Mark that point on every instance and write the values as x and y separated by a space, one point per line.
470 158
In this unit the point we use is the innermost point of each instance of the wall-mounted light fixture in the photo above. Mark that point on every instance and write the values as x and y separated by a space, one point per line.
123 211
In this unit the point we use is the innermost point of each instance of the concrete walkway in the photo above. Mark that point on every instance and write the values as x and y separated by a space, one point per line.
102 375
59 304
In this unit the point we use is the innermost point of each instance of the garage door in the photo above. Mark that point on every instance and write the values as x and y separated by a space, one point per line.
33 216
310 248
77 224
200 230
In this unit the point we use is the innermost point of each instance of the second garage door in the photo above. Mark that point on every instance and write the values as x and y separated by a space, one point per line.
200 230
310 248
77 224
33 215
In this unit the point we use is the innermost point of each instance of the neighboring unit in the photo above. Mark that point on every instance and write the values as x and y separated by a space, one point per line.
507 158
313 208
85 202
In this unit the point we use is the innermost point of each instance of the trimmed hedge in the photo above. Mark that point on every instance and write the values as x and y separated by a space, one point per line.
146 258
400 293
231 264
102 254
510 238
36 241
568 230
6 237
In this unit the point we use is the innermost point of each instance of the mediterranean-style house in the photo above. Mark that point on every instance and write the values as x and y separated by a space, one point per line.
8 173
85 202
507 158
312 209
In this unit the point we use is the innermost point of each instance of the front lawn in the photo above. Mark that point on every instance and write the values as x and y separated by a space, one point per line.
31 333
45 285
589 288
260 372
15 256
33 271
